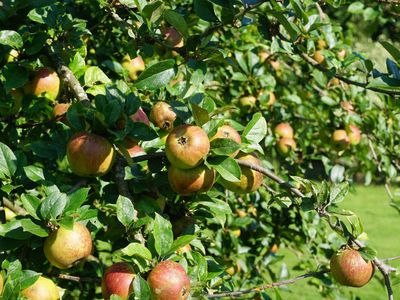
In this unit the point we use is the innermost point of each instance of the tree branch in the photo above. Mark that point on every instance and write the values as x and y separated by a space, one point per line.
68 77
316 65
14 207
77 278
267 286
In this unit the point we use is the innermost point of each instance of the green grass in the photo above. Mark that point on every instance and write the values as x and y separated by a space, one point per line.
381 223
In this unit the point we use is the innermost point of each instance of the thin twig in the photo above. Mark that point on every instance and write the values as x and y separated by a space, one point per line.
14 207
316 65
267 286
77 278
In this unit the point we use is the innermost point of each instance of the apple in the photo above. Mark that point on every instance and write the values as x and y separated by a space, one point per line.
117 280
42 289
172 37
321 44
340 138
46 82
247 102
163 116
241 213
284 130
250 180
187 146
236 232
9 214
64 247
1 284
228 132
60 112
184 249
12 56
90 154
341 54
349 268
274 248
319 57
354 135
263 55
275 64
169 281
133 66
190 181
347 106
136 151
140 116
285 145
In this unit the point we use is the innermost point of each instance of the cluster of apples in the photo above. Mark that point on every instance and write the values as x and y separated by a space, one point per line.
342 138
286 142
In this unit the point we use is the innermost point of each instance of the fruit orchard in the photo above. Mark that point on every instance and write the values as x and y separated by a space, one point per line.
169 149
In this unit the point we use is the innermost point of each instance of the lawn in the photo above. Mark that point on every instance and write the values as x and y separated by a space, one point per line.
382 224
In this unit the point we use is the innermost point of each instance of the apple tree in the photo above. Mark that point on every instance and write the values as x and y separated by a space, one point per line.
168 149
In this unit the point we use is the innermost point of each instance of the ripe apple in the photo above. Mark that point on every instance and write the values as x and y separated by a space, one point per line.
321 44
241 213
340 138
341 54
163 116
347 106
1 284
284 130
285 145
354 135
274 248
117 280
136 151
275 64
60 112
184 249
349 268
247 102
42 289
187 146
263 55
190 181
9 214
169 281
172 37
133 66
140 116
90 154
64 247
250 180
319 57
46 82
228 132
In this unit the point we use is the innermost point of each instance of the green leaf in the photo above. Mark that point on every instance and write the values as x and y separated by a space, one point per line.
11 38
205 10
394 51
256 129
338 192
28 278
128 3
181 241
356 7
385 83
224 146
13 76
163 236
76 199
227 167
290 27
35 229
95 74
31 204
367 253
200 115
34 173
157 75
8 162
125 210
177 21
141 288
136 249
53 205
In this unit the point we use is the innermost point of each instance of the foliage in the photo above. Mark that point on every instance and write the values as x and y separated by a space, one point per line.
231 49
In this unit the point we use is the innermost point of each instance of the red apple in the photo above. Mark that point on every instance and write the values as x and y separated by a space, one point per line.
163 116
172 37
136 151
354 135
90 154
117 280
284 130
228 132
47 83
169 281
349 268
285 145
